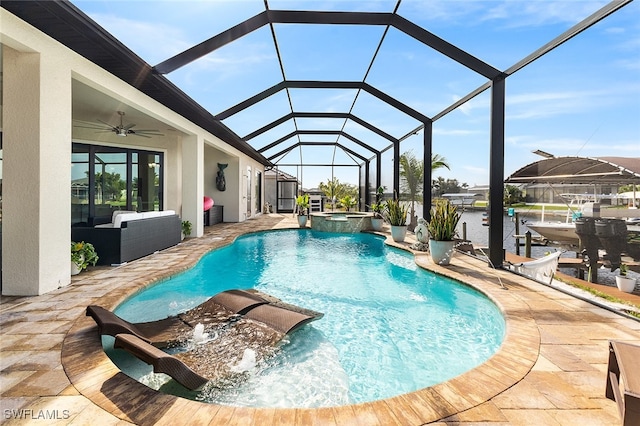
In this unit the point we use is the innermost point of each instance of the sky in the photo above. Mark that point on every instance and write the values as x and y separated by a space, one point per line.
581 99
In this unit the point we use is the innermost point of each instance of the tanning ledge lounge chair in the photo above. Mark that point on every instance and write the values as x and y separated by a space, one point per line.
239 320
162 333
161 361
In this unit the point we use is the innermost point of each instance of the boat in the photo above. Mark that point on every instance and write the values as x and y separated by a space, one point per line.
605 234
560 232
563 232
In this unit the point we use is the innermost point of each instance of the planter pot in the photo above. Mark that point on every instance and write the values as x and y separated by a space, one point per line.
398 232
75 269
625 284
441 251
376 223
302 220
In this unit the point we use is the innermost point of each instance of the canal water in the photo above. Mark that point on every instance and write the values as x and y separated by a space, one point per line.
478 233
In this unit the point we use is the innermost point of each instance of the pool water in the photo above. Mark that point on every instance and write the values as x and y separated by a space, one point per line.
389 327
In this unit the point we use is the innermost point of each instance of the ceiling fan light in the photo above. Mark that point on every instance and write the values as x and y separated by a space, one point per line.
121 132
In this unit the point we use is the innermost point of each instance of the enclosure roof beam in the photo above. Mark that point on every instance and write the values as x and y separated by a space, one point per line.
318 132
346 115
327 18
298 144
307 84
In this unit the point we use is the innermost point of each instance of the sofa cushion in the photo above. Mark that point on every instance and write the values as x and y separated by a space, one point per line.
120 216
117 212
124 217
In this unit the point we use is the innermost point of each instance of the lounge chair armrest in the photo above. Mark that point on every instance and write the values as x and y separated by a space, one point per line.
161 361
111 324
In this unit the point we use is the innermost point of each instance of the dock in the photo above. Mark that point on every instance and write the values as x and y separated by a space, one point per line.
564 262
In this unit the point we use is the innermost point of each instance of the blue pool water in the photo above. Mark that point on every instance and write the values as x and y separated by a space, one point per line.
389 327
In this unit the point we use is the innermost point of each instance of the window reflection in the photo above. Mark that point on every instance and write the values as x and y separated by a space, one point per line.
105 179
80 187
110 171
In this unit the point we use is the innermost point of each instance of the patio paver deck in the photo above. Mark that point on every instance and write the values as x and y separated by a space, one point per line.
550 370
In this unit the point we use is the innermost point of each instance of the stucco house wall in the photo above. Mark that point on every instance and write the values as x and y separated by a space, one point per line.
39 76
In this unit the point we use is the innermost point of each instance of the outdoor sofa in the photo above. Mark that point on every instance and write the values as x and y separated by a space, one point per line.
131 235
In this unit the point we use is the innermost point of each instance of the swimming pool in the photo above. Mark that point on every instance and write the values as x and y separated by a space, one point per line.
389 326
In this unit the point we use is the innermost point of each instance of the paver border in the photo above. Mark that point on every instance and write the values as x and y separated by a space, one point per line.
96 377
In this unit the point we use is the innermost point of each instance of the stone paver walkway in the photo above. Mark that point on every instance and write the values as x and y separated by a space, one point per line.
550 370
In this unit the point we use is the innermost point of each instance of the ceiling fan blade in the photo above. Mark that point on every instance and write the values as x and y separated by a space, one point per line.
142 136
107 124
146 130
84 122
128 126
94 127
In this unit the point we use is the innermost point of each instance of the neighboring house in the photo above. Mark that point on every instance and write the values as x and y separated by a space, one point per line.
560 194
57 170
281 190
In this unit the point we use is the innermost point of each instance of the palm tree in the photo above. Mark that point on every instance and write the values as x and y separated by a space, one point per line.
334 190
438 161
512 194
412 176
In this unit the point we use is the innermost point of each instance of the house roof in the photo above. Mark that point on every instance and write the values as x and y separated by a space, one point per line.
71 27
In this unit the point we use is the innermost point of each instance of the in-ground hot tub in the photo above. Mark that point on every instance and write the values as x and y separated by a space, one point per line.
346 222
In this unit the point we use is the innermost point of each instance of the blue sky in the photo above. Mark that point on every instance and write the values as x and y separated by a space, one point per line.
582 98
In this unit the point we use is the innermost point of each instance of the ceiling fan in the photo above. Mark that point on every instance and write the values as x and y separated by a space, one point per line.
121 129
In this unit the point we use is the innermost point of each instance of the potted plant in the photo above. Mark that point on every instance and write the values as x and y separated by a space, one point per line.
186 229
396 215
82 255
377 208
623 282
302 203
442 231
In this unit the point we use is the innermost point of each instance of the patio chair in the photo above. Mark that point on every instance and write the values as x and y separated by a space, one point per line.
540 269
623 380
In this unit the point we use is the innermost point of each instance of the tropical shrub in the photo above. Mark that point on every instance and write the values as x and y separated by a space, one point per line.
444 219
83 254
396 212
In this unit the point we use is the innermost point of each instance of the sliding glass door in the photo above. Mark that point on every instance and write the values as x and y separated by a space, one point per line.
105 179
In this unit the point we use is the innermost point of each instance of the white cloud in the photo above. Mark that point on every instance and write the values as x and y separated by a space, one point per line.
506 13
515 14
553 103
152 41
456 132
476 170
574 146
